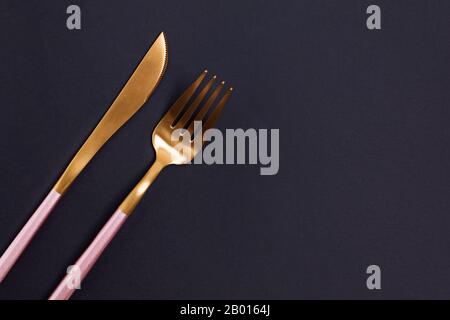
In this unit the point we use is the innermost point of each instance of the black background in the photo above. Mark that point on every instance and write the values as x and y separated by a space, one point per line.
364 149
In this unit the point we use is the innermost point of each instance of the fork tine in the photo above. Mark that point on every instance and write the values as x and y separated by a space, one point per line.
204 110
212 119
176 108
190 111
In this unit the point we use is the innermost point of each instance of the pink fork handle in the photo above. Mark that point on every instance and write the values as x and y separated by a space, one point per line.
23 238
84 264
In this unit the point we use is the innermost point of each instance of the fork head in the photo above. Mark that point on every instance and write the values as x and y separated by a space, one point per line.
176 140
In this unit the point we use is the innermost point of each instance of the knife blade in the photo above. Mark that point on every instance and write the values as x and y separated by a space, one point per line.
133 95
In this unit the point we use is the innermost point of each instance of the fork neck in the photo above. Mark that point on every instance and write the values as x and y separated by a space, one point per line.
139 190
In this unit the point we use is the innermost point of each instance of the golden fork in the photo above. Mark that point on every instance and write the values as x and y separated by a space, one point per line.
178 121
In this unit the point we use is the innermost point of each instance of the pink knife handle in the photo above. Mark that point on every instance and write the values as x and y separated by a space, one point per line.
21 241
87 260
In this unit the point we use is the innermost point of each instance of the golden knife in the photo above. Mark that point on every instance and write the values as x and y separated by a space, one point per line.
132 97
